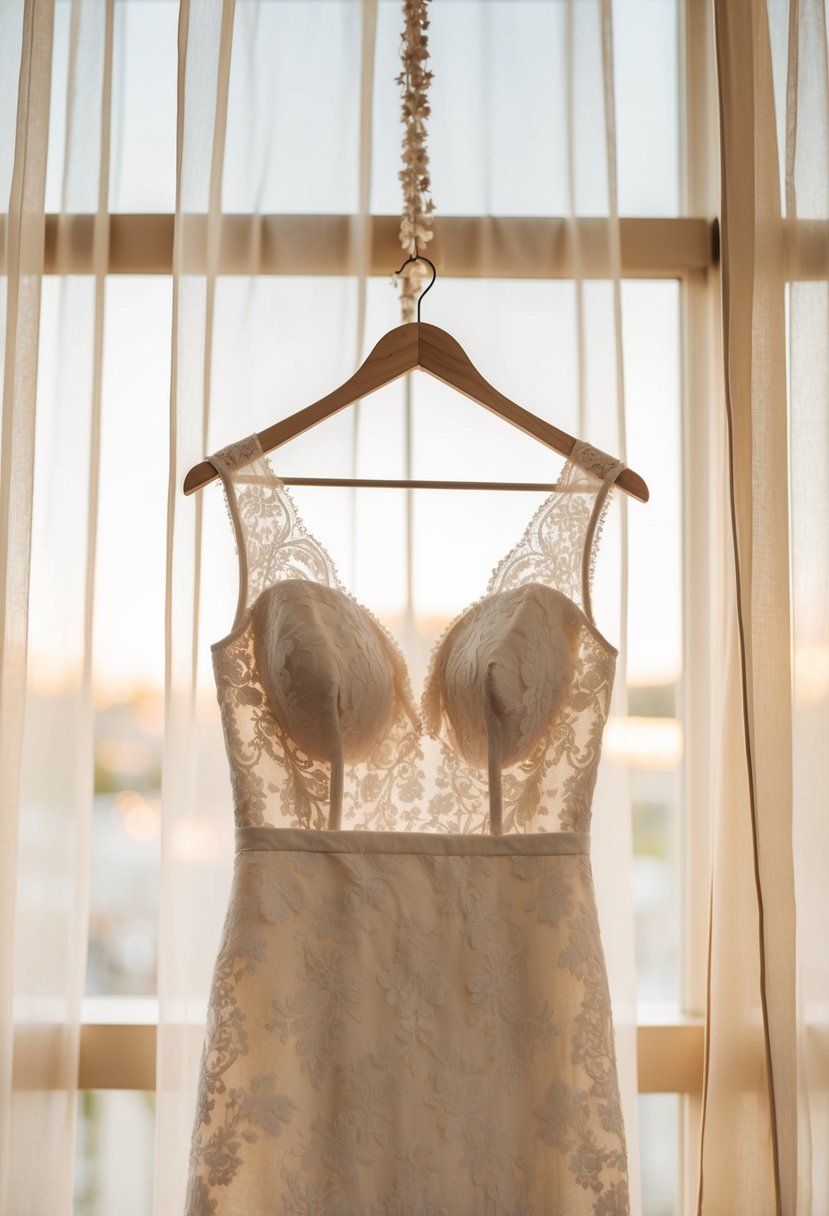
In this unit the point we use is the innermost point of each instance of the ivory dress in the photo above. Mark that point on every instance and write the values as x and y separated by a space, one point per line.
409 1013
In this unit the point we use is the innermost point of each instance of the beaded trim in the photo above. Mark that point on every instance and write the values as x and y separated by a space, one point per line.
416 223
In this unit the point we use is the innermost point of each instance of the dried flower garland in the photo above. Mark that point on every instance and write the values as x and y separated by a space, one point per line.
416 225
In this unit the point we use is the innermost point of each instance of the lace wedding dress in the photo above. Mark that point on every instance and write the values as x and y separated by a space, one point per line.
409 1013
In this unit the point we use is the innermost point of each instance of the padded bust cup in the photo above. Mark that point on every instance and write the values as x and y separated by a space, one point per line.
325 667
510 656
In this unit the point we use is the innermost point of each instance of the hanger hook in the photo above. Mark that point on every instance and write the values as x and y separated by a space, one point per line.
418 257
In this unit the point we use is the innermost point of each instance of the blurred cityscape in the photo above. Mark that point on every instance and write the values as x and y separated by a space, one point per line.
126 813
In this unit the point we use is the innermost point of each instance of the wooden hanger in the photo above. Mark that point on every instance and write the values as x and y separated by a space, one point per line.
401 350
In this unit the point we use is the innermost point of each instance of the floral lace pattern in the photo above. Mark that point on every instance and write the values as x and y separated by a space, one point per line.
270 536
562 672
556 542
403 1031
551 697
384 1038
279 777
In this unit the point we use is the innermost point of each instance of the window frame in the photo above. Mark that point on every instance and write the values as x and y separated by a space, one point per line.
117 1047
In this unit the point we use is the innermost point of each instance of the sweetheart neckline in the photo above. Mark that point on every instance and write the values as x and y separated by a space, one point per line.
339 586
239 629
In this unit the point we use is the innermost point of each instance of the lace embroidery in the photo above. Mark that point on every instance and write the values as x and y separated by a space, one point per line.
506 1178
415 985
215 1153
416 1187
552 547
568 1118
394 1037
564 698
264 759
552 701
556 780
329 993
392 998
274 542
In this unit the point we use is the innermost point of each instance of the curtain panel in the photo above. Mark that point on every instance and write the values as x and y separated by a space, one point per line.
764 1135
47 576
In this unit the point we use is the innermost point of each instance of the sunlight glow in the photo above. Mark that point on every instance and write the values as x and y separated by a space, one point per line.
140 817
644 743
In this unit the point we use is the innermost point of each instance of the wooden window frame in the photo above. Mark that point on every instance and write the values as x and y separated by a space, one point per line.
120 1054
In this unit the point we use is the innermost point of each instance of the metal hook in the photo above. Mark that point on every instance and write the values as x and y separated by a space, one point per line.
418 257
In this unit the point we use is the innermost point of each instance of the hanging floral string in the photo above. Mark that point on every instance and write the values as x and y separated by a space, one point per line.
416 225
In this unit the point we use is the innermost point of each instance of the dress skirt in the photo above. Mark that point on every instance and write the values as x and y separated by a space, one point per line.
409 1024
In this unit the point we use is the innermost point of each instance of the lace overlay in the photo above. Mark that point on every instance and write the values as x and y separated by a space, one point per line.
409 1014
420 1058
550 676
281 776
562 672
270 536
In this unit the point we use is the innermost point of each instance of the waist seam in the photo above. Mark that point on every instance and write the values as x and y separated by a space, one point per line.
339 840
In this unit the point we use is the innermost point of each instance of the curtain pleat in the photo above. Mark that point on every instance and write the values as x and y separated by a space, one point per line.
807 210
765 1091
23 240
361 237
48 560
754 1001
187 876
613 851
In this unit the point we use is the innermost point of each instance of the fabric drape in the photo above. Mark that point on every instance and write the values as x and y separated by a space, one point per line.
765 1095
50 445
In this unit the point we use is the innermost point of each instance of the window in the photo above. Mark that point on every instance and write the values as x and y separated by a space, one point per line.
663 76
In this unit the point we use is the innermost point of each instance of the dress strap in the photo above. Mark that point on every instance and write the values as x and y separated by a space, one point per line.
236 465
558 549
604 471
271 540
558 546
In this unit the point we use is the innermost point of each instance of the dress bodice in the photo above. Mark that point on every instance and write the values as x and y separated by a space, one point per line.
320 723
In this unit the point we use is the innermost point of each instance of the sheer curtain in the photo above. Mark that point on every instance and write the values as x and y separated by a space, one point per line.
51 424
764 1142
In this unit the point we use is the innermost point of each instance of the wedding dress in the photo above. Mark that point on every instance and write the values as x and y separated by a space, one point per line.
409 1013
